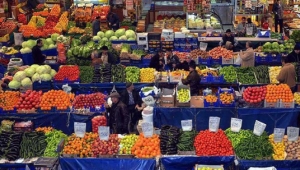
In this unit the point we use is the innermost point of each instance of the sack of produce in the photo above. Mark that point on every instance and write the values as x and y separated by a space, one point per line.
147 117
148 110
149 91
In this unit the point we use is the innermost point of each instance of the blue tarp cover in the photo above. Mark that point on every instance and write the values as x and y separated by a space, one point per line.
279 165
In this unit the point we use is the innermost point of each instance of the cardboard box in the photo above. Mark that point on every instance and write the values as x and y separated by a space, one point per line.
185 104
197 101
167 98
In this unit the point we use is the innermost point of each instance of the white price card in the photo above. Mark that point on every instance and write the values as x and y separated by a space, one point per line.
103 132
187 125
278 134
266 168
259 128
147 128
214 123
292 133
79 129
236 124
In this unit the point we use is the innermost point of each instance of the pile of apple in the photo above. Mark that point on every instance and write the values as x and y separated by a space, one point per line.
29 100
89 100
110 147
98 121
255 95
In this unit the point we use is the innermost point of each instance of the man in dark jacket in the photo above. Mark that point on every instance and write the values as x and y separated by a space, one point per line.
106 56
278 12
118 115
228 41
193 79
131 98
171 59
96 26
184 65
113 21
37 55
294 56
154 62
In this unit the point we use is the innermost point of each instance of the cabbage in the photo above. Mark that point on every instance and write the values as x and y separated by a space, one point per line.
49 41
14 85
25 50
130 34
36 77
24 44
41 69
34 66
109 34
113 38
52 46
54 37
123 37
100 34
48 69
26 82
31 43
104 39
96 38
52 73
131 39
19 76
29 71
120 32
46 77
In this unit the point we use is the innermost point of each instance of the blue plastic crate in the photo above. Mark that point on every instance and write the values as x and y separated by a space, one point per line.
137 47
206 79
67 81
17 55
227 105
61 111
8 111
146 61
3 69
274 59
204 61
43 85
259 59
27 59
136 61
124 42
50 52
207 104
39 110
216 61
218 79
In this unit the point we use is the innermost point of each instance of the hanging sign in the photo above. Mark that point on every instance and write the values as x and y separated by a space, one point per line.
129 4
236 124
103 132
278 134
79 129
147 128
214 123
259 128
186 125
292 133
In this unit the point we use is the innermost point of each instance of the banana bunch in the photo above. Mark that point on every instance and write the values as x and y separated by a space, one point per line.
273 73
297 98
8 50
147 75
207 71
76 30
279 149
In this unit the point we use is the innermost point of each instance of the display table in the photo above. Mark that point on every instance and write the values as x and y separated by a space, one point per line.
240 39
106 163
17 166
188 162
279 118
200 116
279 165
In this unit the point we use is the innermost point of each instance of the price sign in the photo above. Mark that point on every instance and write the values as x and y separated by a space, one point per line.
147 128
278 134
79 129
266 168
236 124
187 125
259 128
292 133
214 123
103 132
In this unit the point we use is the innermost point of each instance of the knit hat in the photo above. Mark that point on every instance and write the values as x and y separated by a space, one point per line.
114 94
297 47
128 84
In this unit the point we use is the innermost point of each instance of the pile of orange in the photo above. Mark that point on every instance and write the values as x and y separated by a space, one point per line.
146 147
55 10
9 99
226 98
279 92
211 98
44 129
56 98
80 146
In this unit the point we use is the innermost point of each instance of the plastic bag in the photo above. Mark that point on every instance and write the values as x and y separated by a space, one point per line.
149 100
238 60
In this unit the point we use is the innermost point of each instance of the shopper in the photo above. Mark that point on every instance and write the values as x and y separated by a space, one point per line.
247 57
155 60
113 21
240 29
278 12
96 26
184 64
131 98
106 56
228 41
171 58
193 79
250 28
287 74
37 55
118 116
174 66
294 56
96 61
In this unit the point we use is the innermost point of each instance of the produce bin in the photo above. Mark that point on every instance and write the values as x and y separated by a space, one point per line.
286 104
227 61
3 69
52 110
230 91
216 61
218 79
137 47
43 85
124 42
17 55
271 104
207 104
206 79
50 52
27 59
207 61
274 58
67 81
185 104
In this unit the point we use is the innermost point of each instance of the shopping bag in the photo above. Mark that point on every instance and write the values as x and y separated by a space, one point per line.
238 60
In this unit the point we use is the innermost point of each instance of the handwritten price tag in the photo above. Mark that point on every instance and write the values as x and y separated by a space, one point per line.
259 128
214 123
103 132
278 134
236 124
147 128
187 125
292 133
79 129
